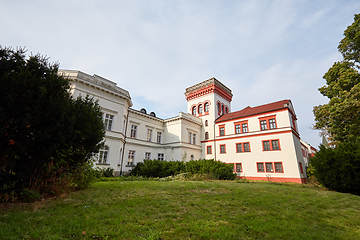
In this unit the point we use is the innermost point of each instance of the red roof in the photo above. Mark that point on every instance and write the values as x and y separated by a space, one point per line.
249 111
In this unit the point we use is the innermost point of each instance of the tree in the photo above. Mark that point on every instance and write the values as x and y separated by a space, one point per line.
45 134
340 118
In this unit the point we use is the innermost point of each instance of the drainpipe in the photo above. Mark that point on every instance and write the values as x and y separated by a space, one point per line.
123 151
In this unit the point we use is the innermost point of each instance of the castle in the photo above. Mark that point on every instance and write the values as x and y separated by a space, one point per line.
262 142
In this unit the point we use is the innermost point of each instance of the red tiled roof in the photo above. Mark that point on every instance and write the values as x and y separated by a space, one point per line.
249 111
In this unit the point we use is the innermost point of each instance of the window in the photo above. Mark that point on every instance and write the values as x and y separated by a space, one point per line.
243 147
271 145
246 147
301 168
131 158
222 130
193 111
108 121
222 148
266 146
191 157
194 138
206 135
206 107
260 167
147 156
269 167
222 109
103 154
272 123
239 147
238 167
133 131
160 156
263 125
275 145
200 109
158 137
219 108
206 123
226 110
267 123
149 135
278 167
237 128
244 127
208 150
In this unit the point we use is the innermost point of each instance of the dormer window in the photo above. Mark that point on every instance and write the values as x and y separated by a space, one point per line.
200 109
194 111
206 107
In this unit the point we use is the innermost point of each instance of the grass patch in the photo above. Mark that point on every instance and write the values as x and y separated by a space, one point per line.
187 210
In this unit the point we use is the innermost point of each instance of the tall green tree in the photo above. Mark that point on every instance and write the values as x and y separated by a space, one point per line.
340 118
45 134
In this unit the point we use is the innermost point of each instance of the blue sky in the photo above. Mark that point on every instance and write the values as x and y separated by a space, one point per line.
263 50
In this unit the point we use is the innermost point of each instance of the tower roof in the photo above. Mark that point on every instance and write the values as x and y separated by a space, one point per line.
208 86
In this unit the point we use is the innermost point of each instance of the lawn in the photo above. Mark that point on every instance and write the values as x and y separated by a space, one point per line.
187 210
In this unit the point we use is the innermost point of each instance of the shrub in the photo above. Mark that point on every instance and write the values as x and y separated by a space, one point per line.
157 168
339 168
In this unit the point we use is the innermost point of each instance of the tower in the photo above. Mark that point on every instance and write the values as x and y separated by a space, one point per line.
208 100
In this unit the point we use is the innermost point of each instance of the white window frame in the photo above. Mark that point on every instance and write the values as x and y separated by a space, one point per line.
108 120
133 130
103 155
149 135
131 158
158 137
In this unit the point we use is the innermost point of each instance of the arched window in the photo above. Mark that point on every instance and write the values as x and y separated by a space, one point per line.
222 109
206 123
206 107
192 157
200 109
226 110
206 135
194 111
219 108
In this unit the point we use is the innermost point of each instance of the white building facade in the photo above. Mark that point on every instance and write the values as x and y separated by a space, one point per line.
262 143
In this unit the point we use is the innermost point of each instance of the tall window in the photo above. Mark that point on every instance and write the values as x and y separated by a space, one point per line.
222 130
237 128
108 121
278 167
244 127
238 167
103 155
193 111
208 150
158 137
222 148
260 167
226 110
147 155
190 137
272 123
206 135
133 131
194 138
263 125
131 158
206 123
271 145
200 109
206 107
149 135
192 157
219 108
222 109
269 167
160 156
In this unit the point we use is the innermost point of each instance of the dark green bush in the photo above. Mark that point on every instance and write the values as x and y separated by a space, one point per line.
339 168
158 168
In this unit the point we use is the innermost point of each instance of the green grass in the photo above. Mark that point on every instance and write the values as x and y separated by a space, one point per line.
188 210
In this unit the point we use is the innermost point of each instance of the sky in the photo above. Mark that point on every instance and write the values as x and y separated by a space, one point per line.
262 50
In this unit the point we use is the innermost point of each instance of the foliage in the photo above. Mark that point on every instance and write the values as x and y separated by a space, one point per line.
338 168
340 118
158 168
103 172
45 135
